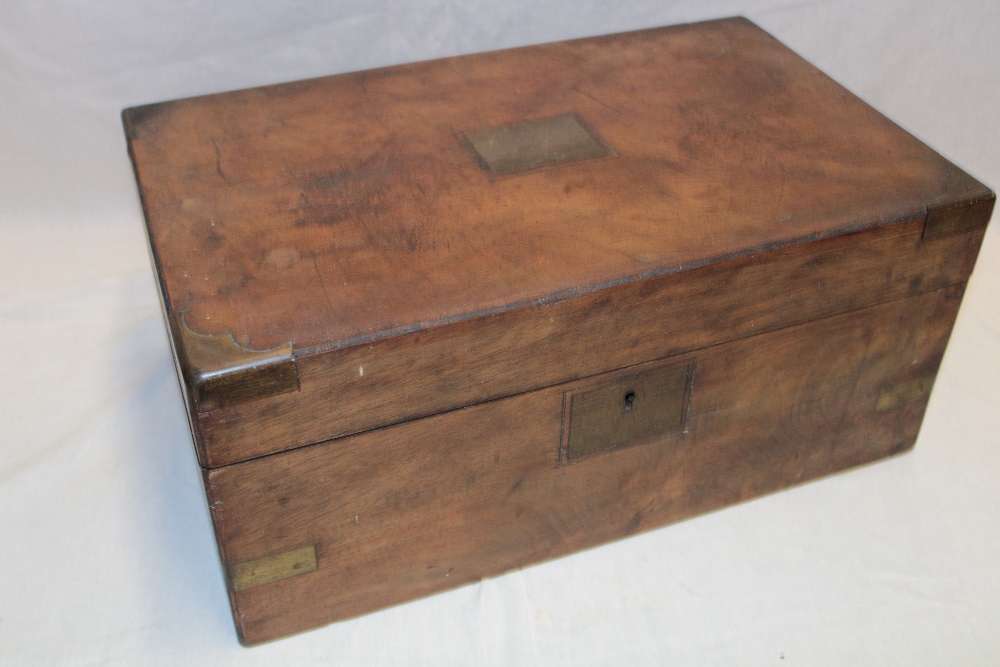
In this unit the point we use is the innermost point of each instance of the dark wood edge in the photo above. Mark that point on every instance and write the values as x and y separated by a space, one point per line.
564 295
218 531
140 113
128 121
915 230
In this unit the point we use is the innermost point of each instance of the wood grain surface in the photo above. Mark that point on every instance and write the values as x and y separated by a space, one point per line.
339 213
333 210
388 290
435 503
404 377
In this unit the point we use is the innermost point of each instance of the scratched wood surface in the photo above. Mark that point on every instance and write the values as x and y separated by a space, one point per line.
422 373
331 210
435 503
429 258
347 217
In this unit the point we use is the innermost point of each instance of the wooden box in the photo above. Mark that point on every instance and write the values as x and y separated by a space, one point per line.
437 321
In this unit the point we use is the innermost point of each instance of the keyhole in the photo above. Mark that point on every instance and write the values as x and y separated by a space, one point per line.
629 400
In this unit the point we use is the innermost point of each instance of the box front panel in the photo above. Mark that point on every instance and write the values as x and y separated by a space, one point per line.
423 373
352 525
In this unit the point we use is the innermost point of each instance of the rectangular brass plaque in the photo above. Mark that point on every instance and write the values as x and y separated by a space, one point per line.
629 410
904 392
273 568
535 143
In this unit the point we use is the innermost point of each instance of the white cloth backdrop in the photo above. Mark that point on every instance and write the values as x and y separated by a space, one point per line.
106 555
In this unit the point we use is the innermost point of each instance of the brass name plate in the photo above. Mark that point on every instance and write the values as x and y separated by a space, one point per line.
273 568
533 144
904 392
629 410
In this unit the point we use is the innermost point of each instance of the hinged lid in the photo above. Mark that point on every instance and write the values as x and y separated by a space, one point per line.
293 223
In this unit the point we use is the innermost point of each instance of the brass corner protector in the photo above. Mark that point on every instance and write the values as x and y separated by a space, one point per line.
219 371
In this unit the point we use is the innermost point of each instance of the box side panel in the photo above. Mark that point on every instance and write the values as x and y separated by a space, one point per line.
409 376
409 510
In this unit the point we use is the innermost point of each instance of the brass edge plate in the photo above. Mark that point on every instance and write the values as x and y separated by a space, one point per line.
903 393
273 568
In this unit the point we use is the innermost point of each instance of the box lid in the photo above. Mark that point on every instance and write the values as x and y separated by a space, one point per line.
301 219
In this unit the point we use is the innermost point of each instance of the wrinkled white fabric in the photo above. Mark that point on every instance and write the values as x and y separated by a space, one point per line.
106 551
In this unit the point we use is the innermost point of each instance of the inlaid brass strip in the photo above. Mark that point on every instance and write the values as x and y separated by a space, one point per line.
904 392
273 568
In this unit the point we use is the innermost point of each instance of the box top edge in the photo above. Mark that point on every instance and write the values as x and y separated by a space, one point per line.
267 335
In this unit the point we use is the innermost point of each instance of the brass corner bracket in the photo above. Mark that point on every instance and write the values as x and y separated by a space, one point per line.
219 371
